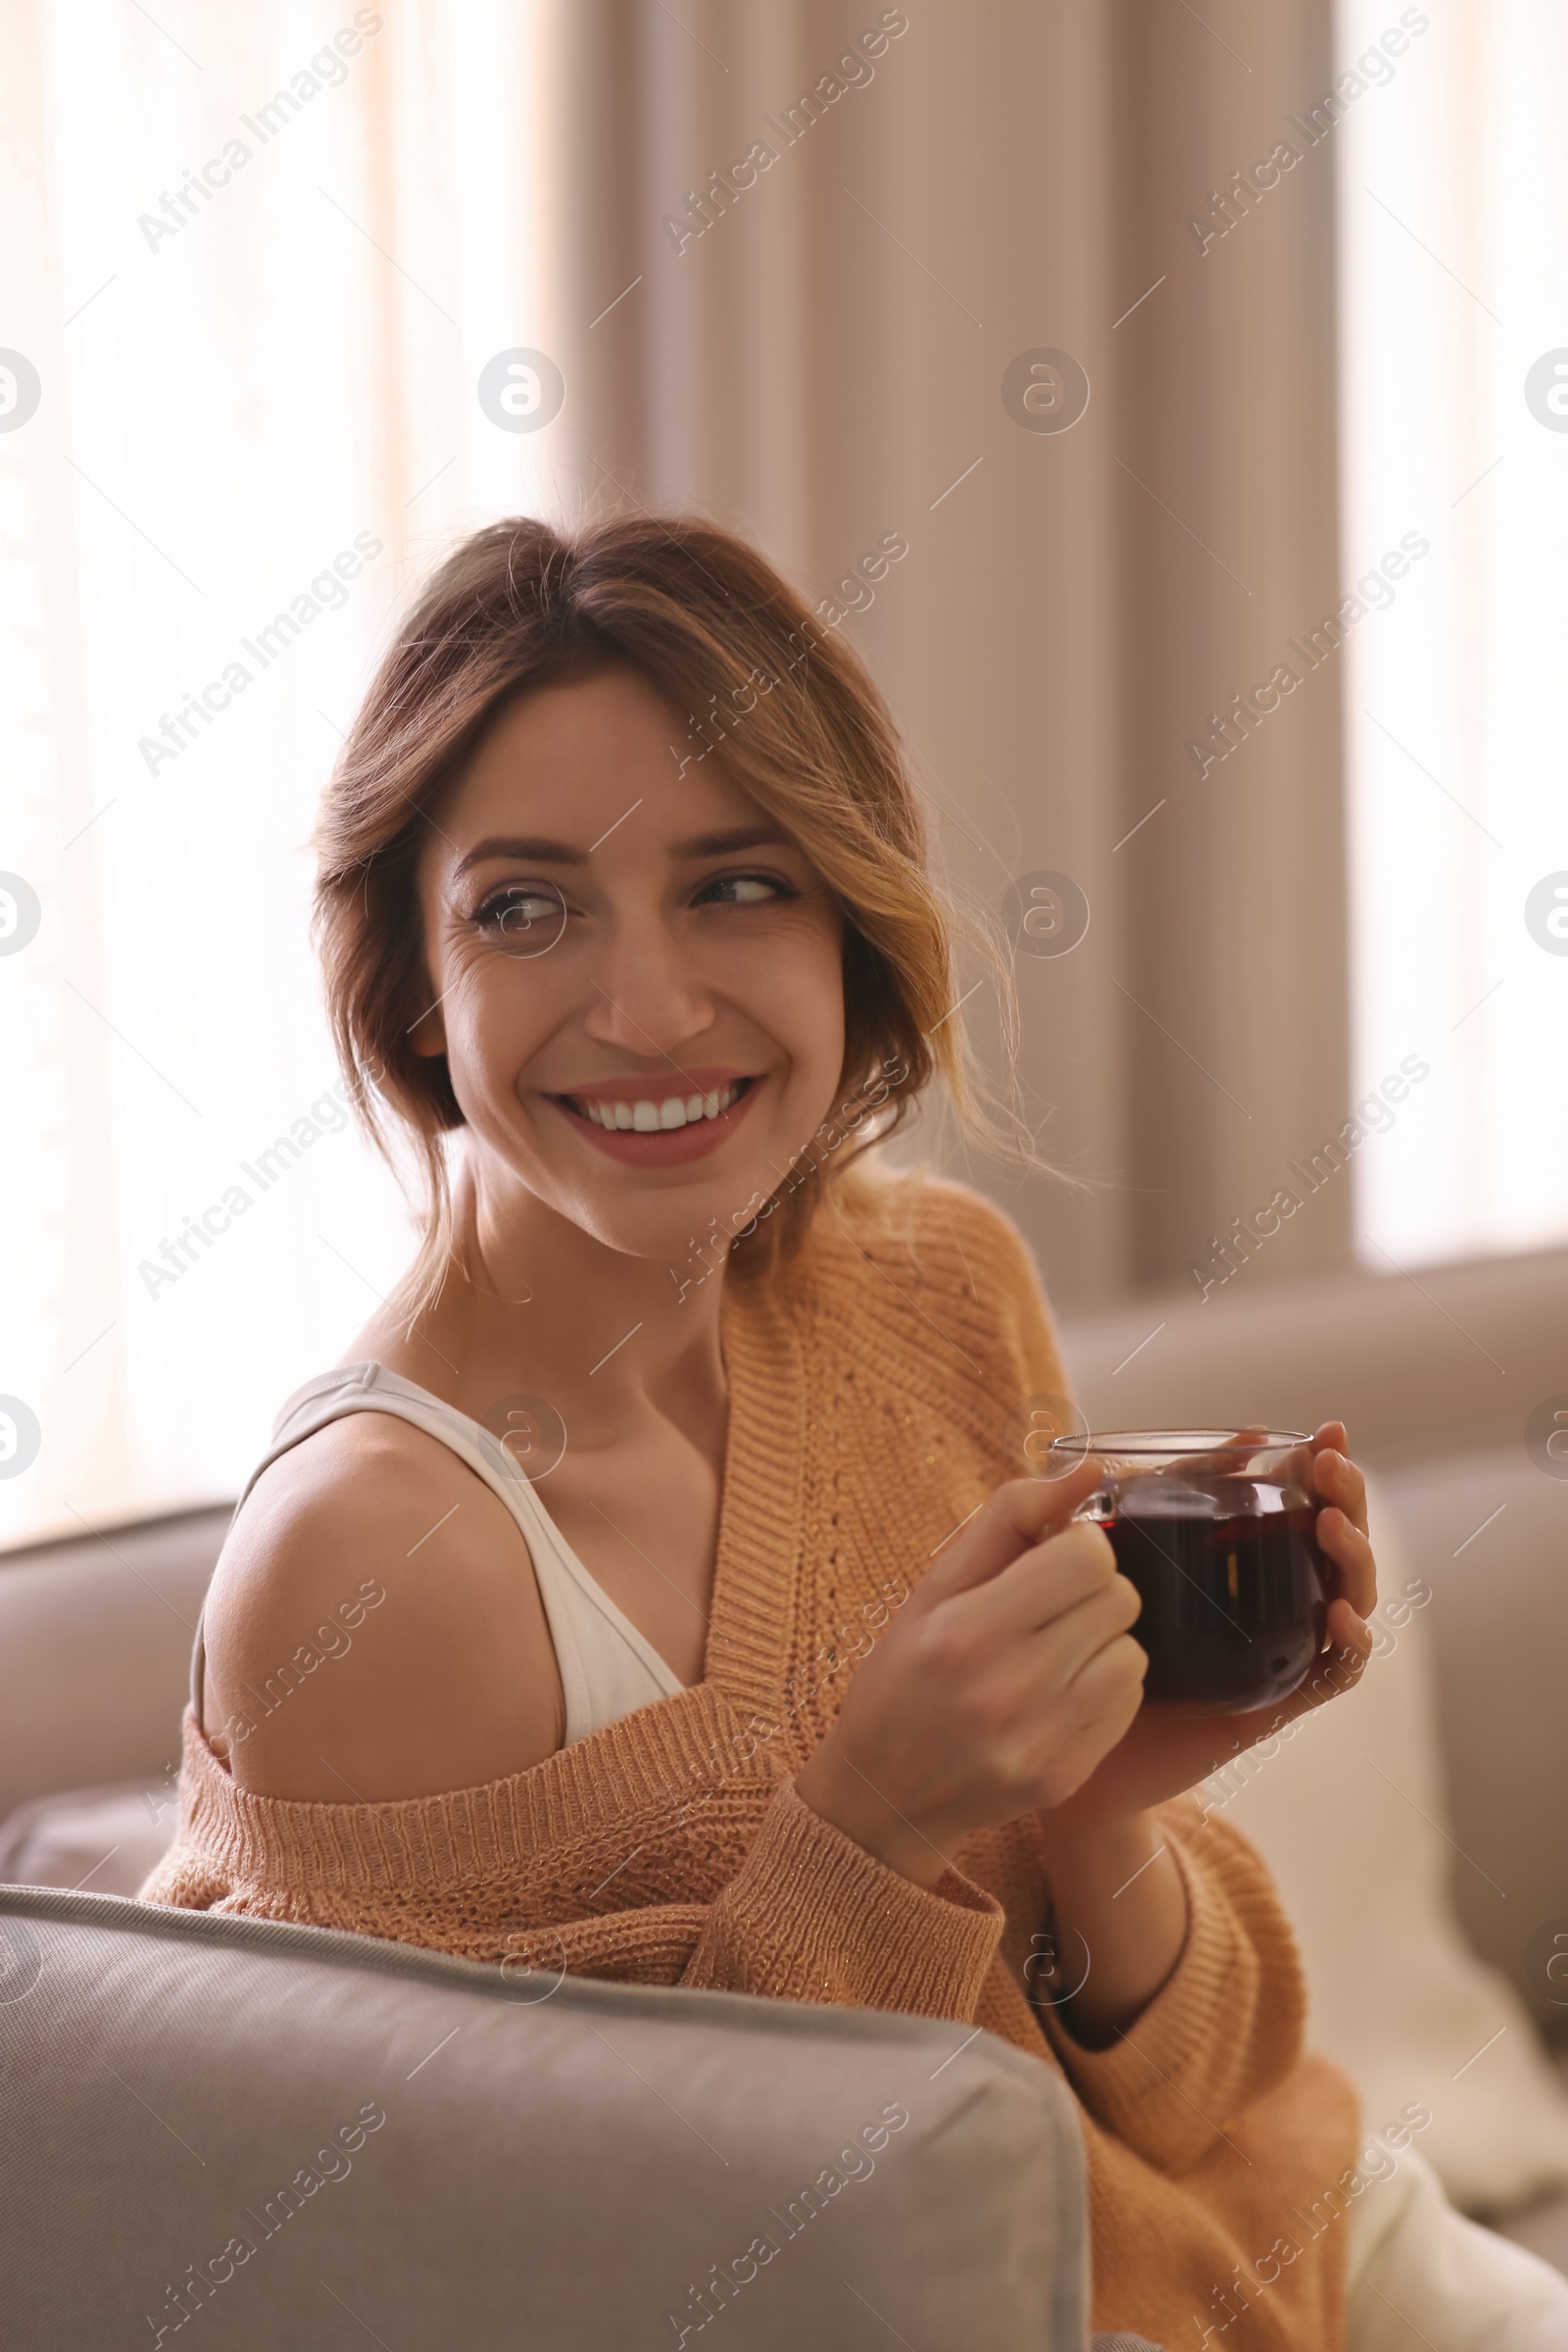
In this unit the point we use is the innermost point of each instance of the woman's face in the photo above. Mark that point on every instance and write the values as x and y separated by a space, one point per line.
635 977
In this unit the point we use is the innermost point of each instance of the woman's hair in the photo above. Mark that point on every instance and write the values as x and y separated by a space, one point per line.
750 676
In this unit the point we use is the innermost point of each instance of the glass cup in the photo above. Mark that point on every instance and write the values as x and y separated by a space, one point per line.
1215 1530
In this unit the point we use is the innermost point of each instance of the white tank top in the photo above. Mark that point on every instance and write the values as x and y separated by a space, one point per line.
608 1668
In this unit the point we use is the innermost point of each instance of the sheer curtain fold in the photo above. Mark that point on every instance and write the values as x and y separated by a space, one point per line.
783 258
248 281
1453 258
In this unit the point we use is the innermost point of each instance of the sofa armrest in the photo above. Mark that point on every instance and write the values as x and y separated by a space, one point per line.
95 1643
319 2134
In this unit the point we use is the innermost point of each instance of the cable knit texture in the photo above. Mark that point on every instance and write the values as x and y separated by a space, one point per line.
876 1394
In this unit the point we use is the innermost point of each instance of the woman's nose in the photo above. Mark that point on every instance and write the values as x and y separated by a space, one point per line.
647 995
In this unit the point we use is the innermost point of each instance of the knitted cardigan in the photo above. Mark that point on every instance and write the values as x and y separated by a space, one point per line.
877 1387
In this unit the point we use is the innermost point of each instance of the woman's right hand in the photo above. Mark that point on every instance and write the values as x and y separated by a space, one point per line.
1006 1677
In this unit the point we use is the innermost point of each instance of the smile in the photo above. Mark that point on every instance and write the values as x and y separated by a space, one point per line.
642 1118
645 1131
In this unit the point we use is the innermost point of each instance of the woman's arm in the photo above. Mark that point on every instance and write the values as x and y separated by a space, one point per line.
667 1848
1223 2028
1118 1922
835 1886
1194 2004
373 1628
380 1682
811 1915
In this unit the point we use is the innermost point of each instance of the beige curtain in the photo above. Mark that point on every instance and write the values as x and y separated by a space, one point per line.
822 365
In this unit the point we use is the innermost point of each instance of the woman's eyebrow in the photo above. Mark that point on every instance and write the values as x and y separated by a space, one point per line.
537 851
724 845
540 851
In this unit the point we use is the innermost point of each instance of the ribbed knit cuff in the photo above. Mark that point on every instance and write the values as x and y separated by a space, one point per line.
1200 2051
811 1916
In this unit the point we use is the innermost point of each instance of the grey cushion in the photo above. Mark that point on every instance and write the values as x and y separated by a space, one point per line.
95 1640
107 1838
1489 1532
340 2136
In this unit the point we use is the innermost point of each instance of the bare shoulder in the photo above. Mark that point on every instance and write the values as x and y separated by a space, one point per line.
373 1628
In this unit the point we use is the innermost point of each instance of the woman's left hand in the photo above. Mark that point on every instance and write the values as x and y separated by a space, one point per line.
1168 1749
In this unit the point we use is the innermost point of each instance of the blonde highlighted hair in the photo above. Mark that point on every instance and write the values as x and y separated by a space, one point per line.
756 680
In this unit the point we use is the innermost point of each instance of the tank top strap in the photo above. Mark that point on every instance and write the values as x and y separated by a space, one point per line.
608 1668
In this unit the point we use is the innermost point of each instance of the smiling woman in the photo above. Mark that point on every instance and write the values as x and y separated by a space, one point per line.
576 668
789 1687
680 900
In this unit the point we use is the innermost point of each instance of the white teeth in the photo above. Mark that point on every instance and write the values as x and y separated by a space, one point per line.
652 1118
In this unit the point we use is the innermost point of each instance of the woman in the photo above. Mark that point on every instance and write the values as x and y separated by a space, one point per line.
795 1688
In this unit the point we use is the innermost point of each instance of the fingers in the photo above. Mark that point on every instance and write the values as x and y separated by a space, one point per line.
1351 1553
1335 1478
1068 1647
1037 1625
1342 1663
1086 1679
1338 1669
1224 1461
1019 1514
1108 1690
1342 1524
1039 1587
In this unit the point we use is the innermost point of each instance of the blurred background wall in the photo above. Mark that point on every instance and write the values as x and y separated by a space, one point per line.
269 271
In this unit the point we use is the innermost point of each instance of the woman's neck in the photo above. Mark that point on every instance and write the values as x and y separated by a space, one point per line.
533 1305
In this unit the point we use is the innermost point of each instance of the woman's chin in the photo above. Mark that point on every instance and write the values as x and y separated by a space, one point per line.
664 1214
685 1227
681 1251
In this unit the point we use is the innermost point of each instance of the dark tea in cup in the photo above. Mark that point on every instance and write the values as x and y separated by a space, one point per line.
1215 1530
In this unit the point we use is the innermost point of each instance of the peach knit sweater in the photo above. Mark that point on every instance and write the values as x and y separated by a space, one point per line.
871 1390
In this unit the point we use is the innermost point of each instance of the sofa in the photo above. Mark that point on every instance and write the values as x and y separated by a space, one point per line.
291 2137
171 2067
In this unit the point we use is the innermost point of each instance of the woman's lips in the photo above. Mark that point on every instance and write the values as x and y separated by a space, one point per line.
661 1148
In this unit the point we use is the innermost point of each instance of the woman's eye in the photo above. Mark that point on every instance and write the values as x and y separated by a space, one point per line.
746 890
518 911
